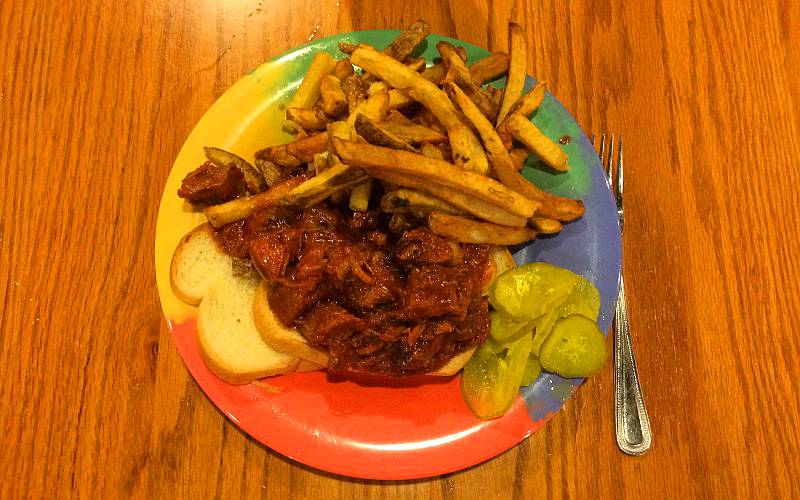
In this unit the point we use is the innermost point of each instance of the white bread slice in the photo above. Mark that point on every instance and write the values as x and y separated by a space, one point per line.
289 340
229 340
198 262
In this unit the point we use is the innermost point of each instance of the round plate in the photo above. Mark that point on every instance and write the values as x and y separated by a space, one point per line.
417 427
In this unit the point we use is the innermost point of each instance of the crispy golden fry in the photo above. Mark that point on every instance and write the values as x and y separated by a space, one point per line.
376 158
376 87
241 208
472 231
306 118
295 153
542 146
353 87
335 178
334 100
544 225
434 73
399 99
308 91
395 116
469 204
518 157
405 43
531 101
501 160
401 200
401 77
416 64
425 118
375 108
462 53
431 151
360 195
489 67
253 179
341 130
462 149
412 133
271 173
376 133
343 69
515 83
457 70
321 162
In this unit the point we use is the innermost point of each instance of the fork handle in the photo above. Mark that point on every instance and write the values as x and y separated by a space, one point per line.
632 423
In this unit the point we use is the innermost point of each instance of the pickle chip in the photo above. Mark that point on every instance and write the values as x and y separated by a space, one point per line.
491 380
526 292
532 370
507 329
575 348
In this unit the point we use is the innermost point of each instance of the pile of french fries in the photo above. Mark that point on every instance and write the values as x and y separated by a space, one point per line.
446 147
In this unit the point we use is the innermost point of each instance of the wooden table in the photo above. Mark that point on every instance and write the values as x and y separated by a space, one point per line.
96 99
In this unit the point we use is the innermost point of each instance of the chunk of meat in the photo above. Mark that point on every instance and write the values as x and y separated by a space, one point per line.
474 327
290 297
211 184
273 251
421 246
381 286
434 291
365 221
328 320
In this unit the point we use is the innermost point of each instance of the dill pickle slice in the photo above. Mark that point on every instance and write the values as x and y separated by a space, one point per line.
528 291
532 370
584 299
507 329
575 348
491 380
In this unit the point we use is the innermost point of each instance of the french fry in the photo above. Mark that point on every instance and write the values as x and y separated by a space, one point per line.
306 118
308 91
518 157
375 108
271 173
343 69
353 87
431 151
471 231
400 200
434 73
347 47
376 158
360 195
469 204
341 130
334 179
395 116
241 208
376 87
515 83
411 132
321 162
407 41
334 100
253 179
461 75
305 149
399 99
489 67
459 141
375 133
531 101
539 144
416 64
544 225
425 118
399 76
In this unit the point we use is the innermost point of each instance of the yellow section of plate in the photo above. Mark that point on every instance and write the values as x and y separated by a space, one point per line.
246 118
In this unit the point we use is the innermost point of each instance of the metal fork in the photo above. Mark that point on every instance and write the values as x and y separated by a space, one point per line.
630 415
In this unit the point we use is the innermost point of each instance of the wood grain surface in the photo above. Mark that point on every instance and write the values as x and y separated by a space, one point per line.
97 97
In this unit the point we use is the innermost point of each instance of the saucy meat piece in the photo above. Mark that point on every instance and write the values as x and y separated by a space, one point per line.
421 246
212 184
328 320
378 286
290 297
365 221
433 291
272 251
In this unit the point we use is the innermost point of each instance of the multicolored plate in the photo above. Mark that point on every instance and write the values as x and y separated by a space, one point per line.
417 427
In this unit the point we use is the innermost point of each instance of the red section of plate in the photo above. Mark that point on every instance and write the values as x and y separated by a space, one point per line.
360 427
